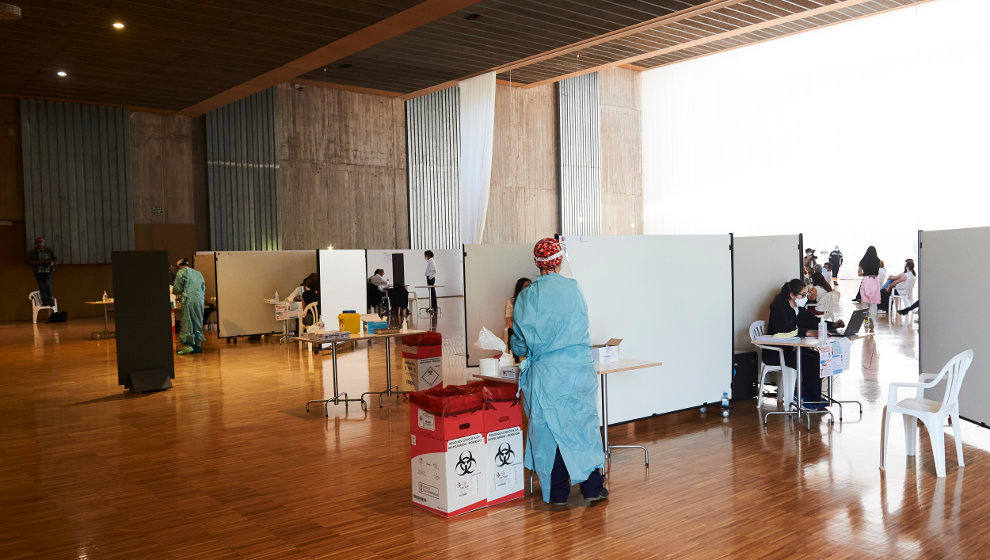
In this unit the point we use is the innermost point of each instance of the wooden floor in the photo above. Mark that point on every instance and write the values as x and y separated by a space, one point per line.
228 464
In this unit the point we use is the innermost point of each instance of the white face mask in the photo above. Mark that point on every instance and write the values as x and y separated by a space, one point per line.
801 302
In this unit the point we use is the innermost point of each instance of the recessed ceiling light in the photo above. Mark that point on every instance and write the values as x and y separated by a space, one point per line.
472 17
346 65
118 25
62 74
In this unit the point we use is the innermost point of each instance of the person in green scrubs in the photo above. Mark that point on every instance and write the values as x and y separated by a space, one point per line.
190 286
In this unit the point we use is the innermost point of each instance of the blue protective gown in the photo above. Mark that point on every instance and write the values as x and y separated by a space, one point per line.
190 286
558 380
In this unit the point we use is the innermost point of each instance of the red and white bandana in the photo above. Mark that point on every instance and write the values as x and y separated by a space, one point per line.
548 253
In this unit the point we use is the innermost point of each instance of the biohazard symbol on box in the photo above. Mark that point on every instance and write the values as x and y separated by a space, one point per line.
465 463
430 376
504 455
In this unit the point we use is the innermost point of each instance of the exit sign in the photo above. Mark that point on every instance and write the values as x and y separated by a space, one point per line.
156 209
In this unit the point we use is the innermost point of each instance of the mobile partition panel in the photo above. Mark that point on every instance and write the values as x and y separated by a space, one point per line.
245 279
490 274
951 265
450 265
760 266
669 297
343 283
141 313
206 263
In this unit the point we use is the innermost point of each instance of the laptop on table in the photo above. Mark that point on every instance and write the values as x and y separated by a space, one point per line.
852 325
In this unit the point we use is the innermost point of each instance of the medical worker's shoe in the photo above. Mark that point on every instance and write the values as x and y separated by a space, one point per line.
564 503
197 349
186 350
603 495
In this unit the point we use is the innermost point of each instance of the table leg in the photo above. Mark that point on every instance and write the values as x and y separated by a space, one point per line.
388 392
831 400
336 393
608 448
106 321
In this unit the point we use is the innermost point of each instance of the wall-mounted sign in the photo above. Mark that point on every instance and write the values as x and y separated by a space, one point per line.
156 209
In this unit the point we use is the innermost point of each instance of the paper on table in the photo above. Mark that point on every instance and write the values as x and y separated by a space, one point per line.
775 338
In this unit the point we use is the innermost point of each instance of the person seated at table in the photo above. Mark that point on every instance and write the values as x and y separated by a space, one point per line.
510 303
378 280
819 287
296 294
788 314
311 295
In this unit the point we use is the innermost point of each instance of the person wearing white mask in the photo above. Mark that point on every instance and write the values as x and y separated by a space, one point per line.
789 315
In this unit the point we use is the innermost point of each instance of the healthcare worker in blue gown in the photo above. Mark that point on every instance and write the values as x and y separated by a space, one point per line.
190 286
558 382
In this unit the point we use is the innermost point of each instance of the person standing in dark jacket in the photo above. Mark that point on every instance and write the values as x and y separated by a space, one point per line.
42 262
788 314
835 261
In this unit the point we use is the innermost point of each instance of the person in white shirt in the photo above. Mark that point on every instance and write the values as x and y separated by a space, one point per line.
827 272
431 278
378 279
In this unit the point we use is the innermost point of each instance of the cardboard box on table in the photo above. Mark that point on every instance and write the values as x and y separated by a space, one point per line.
422 357
448 455
606 353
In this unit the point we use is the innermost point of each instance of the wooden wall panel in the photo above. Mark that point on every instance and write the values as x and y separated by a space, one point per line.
179 240
162 169
76 171
524 203
11 180
622 152
342 174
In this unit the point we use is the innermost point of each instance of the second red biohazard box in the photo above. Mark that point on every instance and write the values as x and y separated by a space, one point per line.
502 407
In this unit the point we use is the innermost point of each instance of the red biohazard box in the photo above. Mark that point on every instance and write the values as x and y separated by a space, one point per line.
420 346
446 413
450 477
505 465
502 407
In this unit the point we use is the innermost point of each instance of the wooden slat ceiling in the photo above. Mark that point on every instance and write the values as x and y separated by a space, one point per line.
192 55
504 31
172 53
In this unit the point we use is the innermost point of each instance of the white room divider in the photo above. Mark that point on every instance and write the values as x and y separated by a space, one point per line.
951 265
342 283
761 265
490 274
450 269
246 278
668 297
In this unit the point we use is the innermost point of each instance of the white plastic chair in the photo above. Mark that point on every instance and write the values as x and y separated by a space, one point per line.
901 297
788 376
309 311
36 305
828 305
931 413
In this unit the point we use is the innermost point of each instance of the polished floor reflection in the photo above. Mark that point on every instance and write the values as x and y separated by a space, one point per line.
229 465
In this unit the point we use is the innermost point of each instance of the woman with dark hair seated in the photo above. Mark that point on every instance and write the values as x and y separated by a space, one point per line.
788 314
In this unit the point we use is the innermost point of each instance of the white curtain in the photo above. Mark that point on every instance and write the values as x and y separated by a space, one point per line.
477 133
860 133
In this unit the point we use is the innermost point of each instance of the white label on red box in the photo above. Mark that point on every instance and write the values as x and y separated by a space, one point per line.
426 421
505 461
449 478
